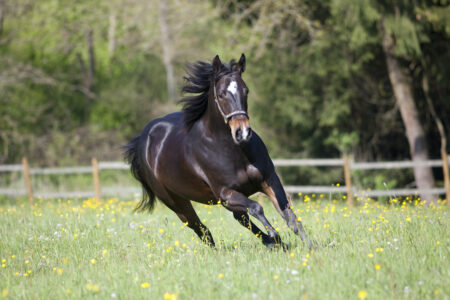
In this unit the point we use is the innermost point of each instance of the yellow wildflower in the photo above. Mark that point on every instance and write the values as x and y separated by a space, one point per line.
362 294
93 287
169 296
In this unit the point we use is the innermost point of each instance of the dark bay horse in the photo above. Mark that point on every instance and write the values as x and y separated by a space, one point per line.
208 153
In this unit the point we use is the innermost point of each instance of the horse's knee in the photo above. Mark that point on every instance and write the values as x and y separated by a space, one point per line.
256 209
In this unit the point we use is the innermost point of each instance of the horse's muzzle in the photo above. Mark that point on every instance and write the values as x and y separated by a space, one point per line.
240 129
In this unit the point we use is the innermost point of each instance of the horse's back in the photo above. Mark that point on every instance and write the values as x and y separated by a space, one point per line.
174 119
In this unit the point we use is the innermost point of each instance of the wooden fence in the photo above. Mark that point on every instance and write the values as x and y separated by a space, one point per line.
347 164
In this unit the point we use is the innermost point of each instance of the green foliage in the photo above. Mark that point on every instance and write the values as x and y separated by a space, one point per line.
330 93
124 99
407 35
436 16
316 71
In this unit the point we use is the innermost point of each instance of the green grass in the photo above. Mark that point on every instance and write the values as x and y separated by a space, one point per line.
83 249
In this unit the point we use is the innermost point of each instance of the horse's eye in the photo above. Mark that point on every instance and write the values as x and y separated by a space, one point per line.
246 91
222 94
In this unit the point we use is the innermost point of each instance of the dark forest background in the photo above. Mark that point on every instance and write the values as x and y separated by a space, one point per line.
78 79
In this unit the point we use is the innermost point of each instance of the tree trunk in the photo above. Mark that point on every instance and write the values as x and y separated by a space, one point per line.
91 69
111 33
2 14
167 55
402 85
441 129
88 71
86 84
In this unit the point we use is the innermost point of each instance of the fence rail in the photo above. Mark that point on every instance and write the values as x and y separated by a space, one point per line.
345 163
395 164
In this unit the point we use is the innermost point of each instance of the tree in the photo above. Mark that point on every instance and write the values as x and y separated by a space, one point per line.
401 83
166 44
2 15
339 93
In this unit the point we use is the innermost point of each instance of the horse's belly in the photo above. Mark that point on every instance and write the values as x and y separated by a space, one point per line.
177 174
192 188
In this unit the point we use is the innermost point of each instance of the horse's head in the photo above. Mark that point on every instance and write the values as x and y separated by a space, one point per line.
230 95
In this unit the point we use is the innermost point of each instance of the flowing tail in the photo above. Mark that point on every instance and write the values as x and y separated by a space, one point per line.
135 156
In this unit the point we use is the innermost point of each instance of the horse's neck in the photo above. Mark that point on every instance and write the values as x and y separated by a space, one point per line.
214 122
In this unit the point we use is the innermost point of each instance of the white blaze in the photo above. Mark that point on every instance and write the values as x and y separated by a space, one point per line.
232 87
245 133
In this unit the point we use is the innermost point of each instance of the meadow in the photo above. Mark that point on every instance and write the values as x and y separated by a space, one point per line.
84 248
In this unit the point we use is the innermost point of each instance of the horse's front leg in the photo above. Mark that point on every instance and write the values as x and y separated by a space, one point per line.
274 189
237 202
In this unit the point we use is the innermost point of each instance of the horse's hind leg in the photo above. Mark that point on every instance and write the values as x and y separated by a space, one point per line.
244 219
184 210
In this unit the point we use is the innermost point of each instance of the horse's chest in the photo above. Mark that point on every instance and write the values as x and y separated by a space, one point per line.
248 175
254 174
242 177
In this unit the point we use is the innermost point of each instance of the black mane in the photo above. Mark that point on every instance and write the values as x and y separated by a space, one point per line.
199 76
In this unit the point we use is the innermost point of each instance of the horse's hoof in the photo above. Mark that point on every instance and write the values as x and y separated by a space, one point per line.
273 245
313 245
286 247
270 245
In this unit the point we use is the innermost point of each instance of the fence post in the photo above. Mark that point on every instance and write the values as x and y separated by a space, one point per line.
446 175
96 178
26 172
348 180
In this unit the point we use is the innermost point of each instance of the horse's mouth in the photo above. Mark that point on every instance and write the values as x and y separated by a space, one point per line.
240 129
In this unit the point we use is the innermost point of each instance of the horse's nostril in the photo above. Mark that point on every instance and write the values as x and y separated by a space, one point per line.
238 134
249 134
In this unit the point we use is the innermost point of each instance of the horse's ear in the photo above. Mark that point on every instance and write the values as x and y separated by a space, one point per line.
240 66
217 64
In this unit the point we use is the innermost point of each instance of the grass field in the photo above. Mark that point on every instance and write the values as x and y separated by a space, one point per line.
87 249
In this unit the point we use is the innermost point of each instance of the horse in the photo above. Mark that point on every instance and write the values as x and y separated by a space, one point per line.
209 154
